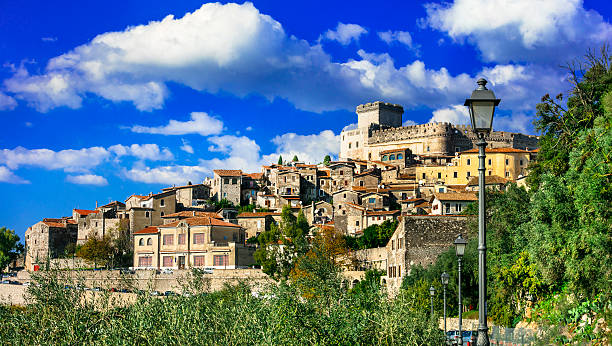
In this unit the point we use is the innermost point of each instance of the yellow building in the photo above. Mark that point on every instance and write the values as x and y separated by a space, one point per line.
508 163
193 242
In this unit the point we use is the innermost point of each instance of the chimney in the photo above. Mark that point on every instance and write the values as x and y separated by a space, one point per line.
96 204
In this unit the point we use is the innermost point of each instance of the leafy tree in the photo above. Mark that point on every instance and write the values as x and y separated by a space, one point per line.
373 236
70 250
10 247
280 160
295 158
98 251
223 203
246 208
122 245
327 160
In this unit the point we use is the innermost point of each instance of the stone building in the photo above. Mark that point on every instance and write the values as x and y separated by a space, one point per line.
226 185
47 240
190 195
318 213
380 129
255 223
451 203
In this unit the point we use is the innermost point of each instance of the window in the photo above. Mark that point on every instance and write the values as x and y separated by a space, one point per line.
489 162
145 261
454 174
371 200
226 181
521 162
400 156
149 241
447 205
198 261
356 223
356 144
168 239
457 149
220 260
392 244
423 175
147 214
162 202
141 242
441 189
468 174
349 145
345 183
198 238
439 175
369 156
341 172
507 162
428 148
96 223
469 162
392 157
361 183
167 261
181 239
385 158
293 178
458 207
234 181
225 194
399 270
507 174
162 213
258 224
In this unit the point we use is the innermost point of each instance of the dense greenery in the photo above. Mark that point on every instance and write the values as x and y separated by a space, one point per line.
373 236
114 250
552 245
10 247
327 160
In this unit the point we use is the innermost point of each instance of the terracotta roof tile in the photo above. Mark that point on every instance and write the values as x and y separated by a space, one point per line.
257 214
228 172
148 230
383 212
200 221
256 176
496 150
187 214
137 196
54 224
84 212
458 196
489 179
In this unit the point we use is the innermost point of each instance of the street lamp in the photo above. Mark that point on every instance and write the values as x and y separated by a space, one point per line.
432 292
445 278
482 107
460 244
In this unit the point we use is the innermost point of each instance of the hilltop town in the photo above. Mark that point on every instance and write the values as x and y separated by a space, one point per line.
422 175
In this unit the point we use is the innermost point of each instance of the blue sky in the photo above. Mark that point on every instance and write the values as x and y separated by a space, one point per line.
100 100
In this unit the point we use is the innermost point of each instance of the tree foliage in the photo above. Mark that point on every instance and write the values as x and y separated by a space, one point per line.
98 251
327 160
10 247
280 160
373 236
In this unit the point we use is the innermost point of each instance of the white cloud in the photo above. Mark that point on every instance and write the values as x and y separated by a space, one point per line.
201 123
235 49
142 151
7 102
402 37
87 179
409 123
69 160
345 33
6 176
308 148
456 114
249 128
186 147
522 30
176 174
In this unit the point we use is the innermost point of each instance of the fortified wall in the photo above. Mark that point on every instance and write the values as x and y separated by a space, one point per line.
379 129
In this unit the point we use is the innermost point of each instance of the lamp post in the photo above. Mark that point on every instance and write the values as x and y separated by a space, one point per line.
445 278
460 244
482 105
432 292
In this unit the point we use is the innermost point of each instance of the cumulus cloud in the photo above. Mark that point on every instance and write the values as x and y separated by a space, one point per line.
69 160
228 48
456 114
6 176
87 179
186 147
150 152
345 33
522 30
7 102
308 148
175 174
409 123
403 37
201 123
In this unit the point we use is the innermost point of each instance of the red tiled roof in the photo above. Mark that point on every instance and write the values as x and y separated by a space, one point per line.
411 200
256 176
458 196
356 206
383 212
489 179
257 214
148 230
228 172
187 213
423 205
84 212
137 196
368 172
301 165
495 150
200 221
112 203
54 224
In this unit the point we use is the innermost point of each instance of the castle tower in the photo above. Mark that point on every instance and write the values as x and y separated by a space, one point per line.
380 113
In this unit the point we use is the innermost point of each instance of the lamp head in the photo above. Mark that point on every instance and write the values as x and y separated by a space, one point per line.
481 106
445 278
432 291
460 244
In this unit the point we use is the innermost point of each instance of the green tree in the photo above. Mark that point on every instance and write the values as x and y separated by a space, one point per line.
98 251
327 160
10 247
280 160
295 158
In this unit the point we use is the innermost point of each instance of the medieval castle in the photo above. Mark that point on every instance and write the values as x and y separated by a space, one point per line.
379 129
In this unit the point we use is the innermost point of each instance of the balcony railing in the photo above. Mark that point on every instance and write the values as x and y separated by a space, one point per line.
221 244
